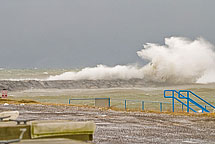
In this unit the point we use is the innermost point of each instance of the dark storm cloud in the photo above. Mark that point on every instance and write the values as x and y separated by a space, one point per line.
78 33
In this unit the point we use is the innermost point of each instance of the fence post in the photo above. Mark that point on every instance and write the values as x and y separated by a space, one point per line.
160 107
125 104
142 105
173 104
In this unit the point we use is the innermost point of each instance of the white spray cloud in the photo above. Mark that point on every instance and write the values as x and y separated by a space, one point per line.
178 61
102 72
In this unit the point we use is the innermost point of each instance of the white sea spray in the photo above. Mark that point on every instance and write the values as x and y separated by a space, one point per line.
179 60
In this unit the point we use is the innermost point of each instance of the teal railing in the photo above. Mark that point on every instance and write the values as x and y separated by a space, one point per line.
179 96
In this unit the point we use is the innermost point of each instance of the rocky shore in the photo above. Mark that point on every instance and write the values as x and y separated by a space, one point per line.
69 84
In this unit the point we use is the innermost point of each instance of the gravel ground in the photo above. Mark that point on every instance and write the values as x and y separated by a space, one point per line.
127 127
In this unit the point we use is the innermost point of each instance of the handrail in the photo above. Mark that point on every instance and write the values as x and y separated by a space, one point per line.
188 91
170 91
188 99
185 105
174 98
191 100
198 105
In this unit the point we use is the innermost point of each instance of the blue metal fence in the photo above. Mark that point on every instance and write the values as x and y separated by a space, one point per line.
189 100
178 99
124 103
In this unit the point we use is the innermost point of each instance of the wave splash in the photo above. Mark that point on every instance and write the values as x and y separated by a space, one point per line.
102 72
179 60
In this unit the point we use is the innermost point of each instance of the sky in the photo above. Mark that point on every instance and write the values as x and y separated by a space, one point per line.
80 33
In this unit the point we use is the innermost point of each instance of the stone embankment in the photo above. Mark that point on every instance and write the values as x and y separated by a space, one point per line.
69 84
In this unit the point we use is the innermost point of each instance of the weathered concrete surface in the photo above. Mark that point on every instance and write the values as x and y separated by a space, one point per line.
51 141
10 130
38 129
128 127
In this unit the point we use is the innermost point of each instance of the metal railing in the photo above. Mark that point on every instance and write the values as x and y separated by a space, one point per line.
177 102
189 100
126 104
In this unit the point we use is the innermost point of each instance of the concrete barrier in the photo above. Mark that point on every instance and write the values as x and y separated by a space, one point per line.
48 129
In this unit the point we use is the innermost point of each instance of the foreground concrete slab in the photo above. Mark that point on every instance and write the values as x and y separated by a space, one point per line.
52 141
83 131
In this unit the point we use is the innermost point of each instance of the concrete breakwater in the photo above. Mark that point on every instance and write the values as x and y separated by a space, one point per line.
70 84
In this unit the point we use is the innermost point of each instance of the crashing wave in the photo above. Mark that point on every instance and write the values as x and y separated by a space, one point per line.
179 60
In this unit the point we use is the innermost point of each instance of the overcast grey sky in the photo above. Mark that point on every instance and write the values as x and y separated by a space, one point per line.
79 33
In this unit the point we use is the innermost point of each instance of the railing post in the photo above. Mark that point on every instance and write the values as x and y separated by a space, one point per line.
188 102
160 107
173 104
125 104
205 108
142 105
109 102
